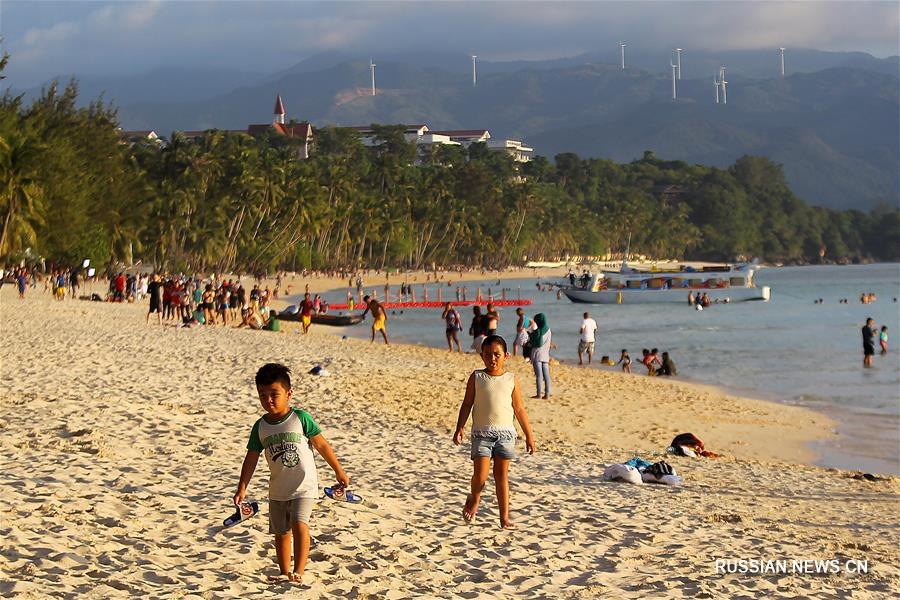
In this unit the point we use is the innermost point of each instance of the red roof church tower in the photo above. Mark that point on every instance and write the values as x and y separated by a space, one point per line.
279 111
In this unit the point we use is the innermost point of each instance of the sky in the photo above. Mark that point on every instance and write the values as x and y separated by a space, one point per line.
50 38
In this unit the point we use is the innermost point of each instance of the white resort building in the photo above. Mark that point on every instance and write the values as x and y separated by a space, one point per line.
419 134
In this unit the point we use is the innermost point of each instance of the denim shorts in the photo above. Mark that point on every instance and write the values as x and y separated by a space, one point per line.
493 447
284 513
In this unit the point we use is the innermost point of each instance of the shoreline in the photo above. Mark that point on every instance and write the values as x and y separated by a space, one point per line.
805 449
810 449
845 445
122 444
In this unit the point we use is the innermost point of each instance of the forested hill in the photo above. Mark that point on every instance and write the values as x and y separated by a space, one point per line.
834 130
73 189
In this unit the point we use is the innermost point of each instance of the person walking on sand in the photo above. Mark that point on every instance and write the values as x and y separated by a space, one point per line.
494 399
453 326
522 324
154 290
540 340
287 436
21 281
587 331
868 339
492 320
380 317
306 311
476 329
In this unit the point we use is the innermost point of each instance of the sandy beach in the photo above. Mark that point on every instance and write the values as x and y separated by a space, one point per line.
122 444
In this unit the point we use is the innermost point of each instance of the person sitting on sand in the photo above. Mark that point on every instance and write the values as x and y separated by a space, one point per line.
380 317
287 437
493 398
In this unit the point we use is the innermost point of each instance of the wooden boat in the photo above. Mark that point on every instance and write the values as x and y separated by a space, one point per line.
323 318
728 283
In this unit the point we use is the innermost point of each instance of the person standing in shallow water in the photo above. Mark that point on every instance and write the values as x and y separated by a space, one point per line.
868 339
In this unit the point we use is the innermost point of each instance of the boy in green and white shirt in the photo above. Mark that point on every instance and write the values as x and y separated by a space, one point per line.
287 437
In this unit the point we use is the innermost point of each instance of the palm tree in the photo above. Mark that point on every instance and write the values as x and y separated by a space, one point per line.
21 209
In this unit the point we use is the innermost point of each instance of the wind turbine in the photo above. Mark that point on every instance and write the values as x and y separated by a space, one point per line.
474 76
372 68
622 53
723 83
782 61
674 76
678 54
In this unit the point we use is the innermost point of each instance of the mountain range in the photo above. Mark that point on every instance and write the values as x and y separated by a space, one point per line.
833 122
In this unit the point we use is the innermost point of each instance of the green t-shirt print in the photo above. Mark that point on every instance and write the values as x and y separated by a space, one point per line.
310 429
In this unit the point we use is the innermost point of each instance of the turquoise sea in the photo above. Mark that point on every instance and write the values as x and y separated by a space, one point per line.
788 350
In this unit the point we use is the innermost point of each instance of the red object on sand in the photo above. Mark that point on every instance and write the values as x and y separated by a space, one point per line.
481 302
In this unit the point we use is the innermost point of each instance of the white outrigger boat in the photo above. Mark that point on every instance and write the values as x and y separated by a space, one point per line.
724 283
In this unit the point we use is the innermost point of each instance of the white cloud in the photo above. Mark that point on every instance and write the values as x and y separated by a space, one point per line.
51 35
124 15
79 37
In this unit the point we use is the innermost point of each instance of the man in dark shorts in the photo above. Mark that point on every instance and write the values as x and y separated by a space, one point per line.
492 318
868 337
154 290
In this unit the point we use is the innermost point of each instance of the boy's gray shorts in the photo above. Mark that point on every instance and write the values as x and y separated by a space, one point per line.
284 513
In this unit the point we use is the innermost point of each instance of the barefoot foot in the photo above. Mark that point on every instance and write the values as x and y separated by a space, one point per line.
470 508
507 524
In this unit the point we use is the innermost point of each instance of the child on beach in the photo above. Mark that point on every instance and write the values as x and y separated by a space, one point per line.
883 339
625 361
287 436
494 398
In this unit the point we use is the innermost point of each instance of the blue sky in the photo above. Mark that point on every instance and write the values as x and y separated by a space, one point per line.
51 38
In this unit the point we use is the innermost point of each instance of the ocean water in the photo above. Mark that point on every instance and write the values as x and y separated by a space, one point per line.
788 349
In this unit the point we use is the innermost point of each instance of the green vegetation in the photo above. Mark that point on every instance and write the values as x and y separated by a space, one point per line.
70 189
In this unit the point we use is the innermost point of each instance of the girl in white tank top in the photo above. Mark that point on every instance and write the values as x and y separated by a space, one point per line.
494 399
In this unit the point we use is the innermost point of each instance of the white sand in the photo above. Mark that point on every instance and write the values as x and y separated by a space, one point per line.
121 446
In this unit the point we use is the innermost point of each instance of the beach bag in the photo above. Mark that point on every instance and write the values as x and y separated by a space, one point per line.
527 348
687 439
659 469
663 480
624 473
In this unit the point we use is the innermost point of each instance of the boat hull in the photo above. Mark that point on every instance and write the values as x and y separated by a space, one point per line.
324 319
651 296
